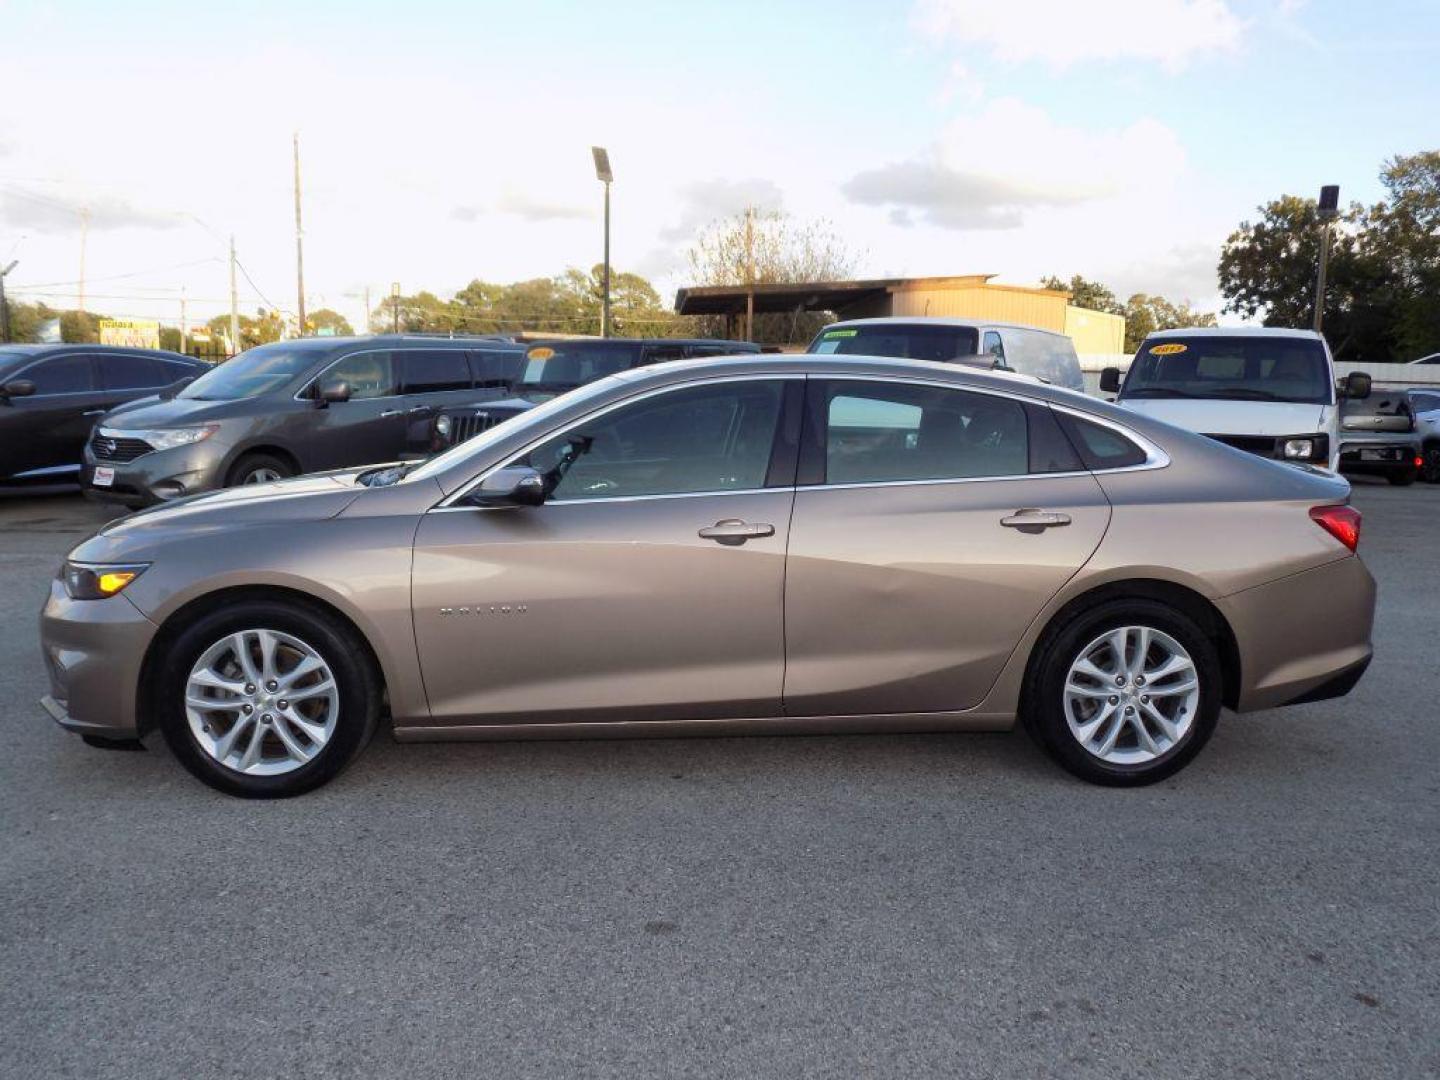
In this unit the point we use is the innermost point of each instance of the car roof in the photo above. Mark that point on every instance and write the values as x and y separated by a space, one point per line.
325 344
31 349
743 346
927 320
1235 331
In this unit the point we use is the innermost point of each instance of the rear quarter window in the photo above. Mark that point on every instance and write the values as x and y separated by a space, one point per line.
1101 447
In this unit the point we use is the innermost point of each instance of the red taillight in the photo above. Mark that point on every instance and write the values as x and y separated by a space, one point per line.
1341 522
1419 462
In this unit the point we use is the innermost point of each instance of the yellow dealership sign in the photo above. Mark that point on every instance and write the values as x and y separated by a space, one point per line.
136 333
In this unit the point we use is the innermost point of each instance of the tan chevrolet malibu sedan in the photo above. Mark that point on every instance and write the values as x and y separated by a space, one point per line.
737 545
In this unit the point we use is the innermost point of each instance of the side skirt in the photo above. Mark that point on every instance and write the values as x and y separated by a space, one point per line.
890 723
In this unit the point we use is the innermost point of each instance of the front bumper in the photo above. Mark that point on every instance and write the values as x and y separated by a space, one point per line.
159 476
93 651
1300 637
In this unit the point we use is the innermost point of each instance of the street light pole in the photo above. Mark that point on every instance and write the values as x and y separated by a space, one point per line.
1328 209
605 176
299 246
5 304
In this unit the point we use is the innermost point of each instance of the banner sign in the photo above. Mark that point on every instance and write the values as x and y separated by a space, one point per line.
135 333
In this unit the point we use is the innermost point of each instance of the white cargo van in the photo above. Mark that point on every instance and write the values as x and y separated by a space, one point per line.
1267 391
1026 350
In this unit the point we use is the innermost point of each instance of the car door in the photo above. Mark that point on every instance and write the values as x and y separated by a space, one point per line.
45 432
431 380
648 587
367 429
931 525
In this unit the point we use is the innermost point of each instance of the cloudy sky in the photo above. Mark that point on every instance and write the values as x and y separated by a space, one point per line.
1120 139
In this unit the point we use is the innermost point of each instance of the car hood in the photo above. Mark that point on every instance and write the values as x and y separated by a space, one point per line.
311 498
1229 417
153 412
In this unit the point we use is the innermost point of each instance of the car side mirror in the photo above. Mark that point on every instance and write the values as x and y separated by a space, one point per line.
17 388
1357 385
1110 380
515 485
332 393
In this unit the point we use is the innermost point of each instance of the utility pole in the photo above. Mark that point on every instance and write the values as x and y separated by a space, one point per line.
395 307
234 301
5 304
182 318
366 327
605 176
749 273
84 234
299 244
1329 210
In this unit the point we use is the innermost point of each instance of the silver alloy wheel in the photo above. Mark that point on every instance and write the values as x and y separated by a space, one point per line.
261 702
263 475
1131 695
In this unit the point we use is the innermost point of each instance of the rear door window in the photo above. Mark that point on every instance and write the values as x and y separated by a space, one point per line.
496 368
431 371
61 375
130 372
876 432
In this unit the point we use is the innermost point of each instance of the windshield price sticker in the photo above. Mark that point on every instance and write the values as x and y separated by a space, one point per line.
840 333
540 353
1171 349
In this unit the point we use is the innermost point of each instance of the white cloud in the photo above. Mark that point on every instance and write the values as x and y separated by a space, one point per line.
1168 32
990 168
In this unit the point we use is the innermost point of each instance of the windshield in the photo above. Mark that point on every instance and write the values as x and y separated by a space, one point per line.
1239 368
252 373
939 343
564 365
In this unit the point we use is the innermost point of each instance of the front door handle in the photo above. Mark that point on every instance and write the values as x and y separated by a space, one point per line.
95 412
735 531
420 409
388 413
1031 518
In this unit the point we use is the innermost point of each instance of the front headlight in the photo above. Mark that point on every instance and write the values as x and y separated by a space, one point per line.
164 438
442 425
1299 449
98 581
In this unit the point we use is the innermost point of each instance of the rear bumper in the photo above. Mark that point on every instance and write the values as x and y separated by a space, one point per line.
93 653
1378 452
1304 637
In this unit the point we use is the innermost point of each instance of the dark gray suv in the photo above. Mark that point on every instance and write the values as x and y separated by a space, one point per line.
288 408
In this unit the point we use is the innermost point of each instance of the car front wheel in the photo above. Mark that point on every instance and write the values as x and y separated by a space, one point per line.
266 700
258 469
1126 693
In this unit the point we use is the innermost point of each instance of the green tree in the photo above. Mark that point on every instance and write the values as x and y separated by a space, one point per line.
1145 314
263 328
1404 236
328 319
1086 294
1268 269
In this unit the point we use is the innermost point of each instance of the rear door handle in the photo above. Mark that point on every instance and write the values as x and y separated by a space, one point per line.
418 409
95 412
735 531
1031 518
389 412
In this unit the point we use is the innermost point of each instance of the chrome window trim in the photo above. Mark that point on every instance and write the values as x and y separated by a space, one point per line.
448 503
1155 455
625 499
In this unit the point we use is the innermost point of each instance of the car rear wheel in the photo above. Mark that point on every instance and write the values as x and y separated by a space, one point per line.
1431 469
1126 693
267 700
259 469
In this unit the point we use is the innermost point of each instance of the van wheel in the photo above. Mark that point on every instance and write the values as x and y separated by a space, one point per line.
258 469
1431 469
1124 694
266 699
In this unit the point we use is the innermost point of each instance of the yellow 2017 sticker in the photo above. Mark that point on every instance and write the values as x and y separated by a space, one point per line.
1168 350
540 352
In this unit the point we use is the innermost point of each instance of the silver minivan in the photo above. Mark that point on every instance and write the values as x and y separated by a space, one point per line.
1041 354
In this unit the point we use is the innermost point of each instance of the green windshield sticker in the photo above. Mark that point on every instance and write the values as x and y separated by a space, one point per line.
840 333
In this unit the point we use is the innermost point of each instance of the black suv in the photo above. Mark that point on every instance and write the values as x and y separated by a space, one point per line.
553 367
293 407
51 395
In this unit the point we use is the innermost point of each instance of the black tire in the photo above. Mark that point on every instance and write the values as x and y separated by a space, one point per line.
1430 472
1403 478
338 646
1043 705
251 466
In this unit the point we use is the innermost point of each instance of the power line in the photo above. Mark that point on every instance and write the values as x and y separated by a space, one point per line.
131 274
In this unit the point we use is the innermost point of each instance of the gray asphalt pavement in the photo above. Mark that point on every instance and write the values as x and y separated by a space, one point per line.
792 907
